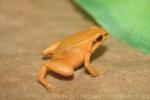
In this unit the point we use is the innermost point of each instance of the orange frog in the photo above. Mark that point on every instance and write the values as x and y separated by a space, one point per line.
71 52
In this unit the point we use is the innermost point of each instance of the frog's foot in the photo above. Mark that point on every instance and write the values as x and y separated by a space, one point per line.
51 88
97 73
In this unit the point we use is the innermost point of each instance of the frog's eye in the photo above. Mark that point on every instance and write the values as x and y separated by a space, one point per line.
99 38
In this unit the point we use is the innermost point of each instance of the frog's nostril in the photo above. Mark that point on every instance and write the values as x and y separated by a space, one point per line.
106 34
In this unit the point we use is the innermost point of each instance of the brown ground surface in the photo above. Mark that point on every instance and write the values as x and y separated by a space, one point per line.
29 26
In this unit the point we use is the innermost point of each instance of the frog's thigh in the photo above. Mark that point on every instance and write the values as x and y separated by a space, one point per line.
60 68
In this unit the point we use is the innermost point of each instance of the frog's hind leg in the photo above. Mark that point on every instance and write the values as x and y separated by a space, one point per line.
42 79
60 68
57 67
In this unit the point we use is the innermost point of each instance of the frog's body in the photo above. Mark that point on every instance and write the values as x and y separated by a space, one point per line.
70 53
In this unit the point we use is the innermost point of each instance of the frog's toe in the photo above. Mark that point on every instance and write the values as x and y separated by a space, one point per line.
95 74
98 72
51 88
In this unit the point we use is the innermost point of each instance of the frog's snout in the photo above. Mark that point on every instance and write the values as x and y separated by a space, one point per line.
105 36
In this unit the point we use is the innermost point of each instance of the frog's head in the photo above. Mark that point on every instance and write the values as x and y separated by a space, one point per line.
99 36
93 36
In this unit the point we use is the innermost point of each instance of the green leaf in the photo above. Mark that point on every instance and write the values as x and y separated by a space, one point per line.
128 20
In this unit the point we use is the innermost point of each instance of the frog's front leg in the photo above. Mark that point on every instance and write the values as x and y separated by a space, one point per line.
49 51
89 67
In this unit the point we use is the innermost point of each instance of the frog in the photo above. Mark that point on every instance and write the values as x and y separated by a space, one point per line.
70 53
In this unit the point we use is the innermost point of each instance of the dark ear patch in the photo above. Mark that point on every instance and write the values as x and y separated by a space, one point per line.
99 38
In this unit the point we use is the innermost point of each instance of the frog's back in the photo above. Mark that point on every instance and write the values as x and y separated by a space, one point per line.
69 49
73 41
77 39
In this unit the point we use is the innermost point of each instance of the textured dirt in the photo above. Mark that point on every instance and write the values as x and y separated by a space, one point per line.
29 26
